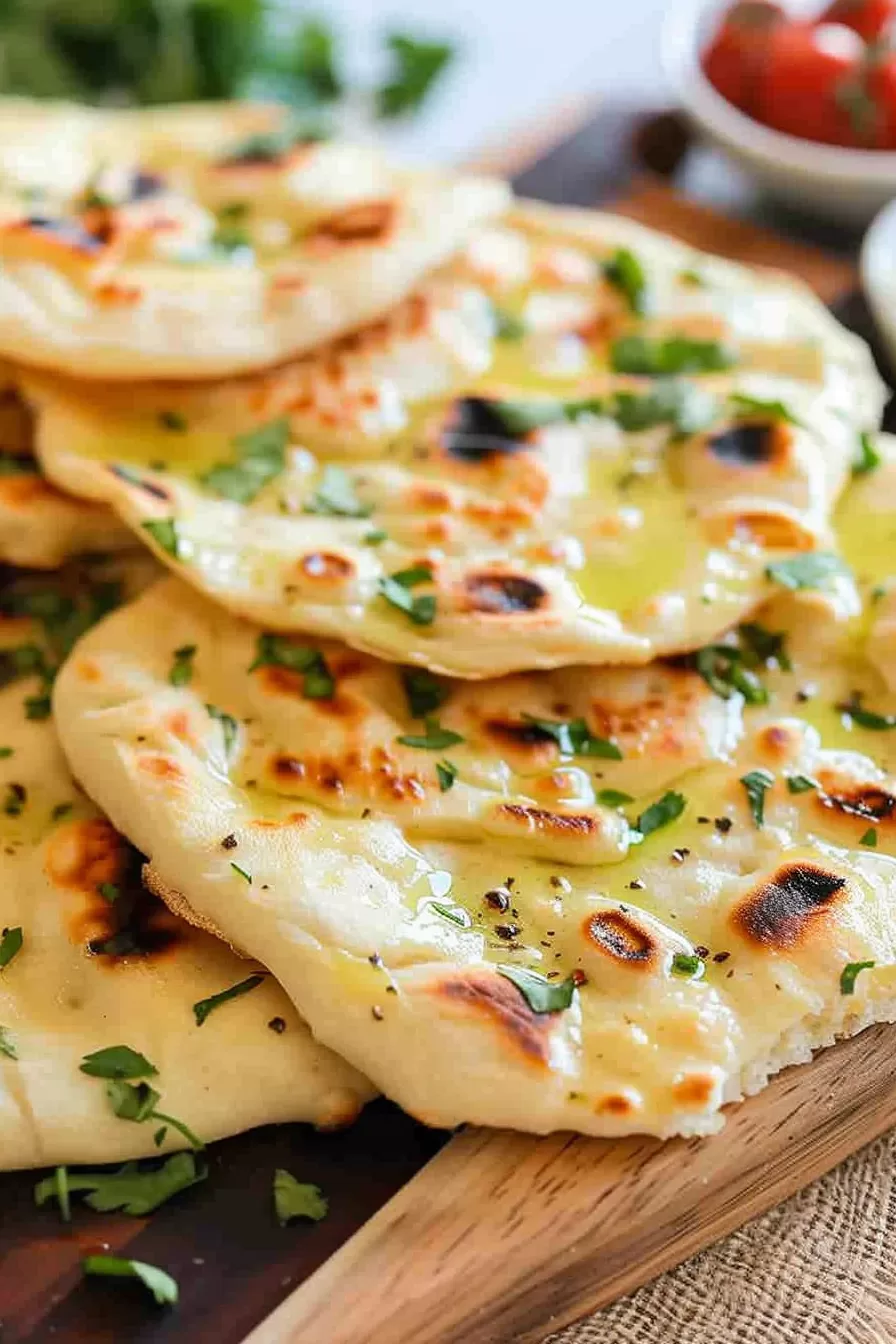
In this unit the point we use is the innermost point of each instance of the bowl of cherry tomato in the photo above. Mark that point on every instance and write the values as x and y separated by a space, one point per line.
803 96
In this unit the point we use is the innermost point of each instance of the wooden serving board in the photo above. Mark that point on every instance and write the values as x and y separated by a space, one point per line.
486 1236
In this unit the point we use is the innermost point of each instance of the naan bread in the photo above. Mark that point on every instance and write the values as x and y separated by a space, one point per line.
180 244
95 972
638 519
444 877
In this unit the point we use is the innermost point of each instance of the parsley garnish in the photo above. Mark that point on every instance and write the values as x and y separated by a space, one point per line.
292 1199
131 1189
508 327
687 964
7 1045
624 271
809 569
436 738
867 458
396 590
613 797
109 892
850 973
247 877
160 1284
425 692
452 914
117 1061
756 784
542 995
415 67
10 945
13 465
522 417
202 1009
5 753
575 738
164 533
866 718
663 356
14 802
375 536
173 420
721 667
181 673
228 726
446 773
61 810
665 810
132 1101
800 783
261 455
686 408
38 708
869 839
278 651
772 410
335 496
766 646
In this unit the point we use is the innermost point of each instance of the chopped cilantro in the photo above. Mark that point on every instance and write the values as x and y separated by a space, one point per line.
436 738
686 408
38 708
866 718
446 773
132 1189
763 645
181 673
11 942
687 964
667 355
247 877
335 496
541 994
13 465
160 1284
850 973
869 838
14 802
292 1199
375 536
745 406
7 1045
396 591
117 1061
164 533
228 726
109 892
808 569
800 784
522 417
451 913
721 667
202 1009
756 785
574 738
624 272
613 797
280 651
5 753
416 65
508 327
867 458
173 420
261 456
665 810
61 810
425 692
132 1101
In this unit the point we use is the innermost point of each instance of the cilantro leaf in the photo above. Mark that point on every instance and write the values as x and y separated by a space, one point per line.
228 726
164 533
624 271
541 994
508 327
396 591
800 784
181 673
202 1009
574 738
261 456
688 409
293 1199
756 785
416 65
312 61
453 914
665 810
160 1284
522 417
425 692
7 1045
721 667
869 838
850 974
173 421
280 651
11 942
745 405
133 1189
866 718
117 1061
335 496
867 458
808 569
247 877
436 738
687 965
613 797
132 1101
666 355
446 773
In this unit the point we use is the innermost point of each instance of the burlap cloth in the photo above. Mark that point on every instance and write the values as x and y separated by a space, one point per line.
819 1269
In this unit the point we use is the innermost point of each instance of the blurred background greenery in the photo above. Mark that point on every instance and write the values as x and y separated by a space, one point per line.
157 51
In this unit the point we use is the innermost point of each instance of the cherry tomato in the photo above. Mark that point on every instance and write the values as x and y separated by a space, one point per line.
869 18
735 55
805 83
880 87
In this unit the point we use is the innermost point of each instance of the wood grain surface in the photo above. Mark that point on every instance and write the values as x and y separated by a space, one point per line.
502 1238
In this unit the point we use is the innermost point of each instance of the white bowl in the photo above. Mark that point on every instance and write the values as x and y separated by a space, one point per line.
878 267
846 185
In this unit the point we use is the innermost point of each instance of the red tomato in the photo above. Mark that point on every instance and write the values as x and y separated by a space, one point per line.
805 83
869 18
880 85
735 55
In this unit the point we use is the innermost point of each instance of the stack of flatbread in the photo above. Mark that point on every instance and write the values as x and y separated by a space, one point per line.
498 673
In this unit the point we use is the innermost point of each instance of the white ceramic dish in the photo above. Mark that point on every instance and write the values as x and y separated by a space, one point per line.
846 185
878 267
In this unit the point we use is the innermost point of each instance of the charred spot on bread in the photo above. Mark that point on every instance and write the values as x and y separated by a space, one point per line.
367 222
483 994
493 594
67 232
543 820
617 934
131 477
326 566
473 431
781 911
751 444
869 802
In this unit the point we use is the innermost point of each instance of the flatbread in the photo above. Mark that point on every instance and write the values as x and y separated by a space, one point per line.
294 498
465 914
179 243
95 972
